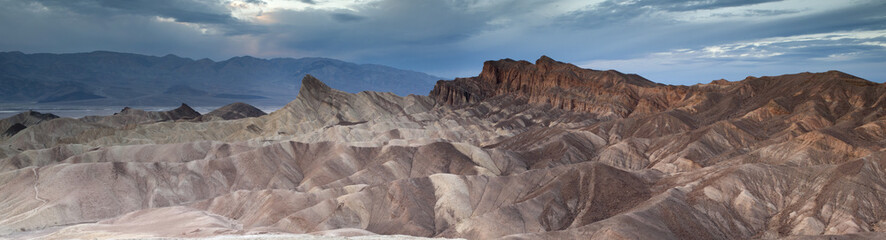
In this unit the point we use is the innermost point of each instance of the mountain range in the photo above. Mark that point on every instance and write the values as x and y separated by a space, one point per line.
105 78
524 150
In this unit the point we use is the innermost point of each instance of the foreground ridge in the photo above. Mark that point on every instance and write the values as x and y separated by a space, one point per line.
543 150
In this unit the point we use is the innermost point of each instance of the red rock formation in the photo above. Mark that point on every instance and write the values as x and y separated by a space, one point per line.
562 85
611 93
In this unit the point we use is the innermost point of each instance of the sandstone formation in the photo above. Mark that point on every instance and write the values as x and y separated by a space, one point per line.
522 151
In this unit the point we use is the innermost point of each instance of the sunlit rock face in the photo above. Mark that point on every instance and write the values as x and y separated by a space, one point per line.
522 151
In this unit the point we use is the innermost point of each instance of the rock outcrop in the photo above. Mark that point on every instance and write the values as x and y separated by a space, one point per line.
232 111
16 123
130 116
560 84
15 128
523 151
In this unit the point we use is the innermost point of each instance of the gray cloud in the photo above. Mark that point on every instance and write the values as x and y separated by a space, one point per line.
445 38
32 28
189 11
211 13
347 17
681 5
756 13
395 23
256 2
612 11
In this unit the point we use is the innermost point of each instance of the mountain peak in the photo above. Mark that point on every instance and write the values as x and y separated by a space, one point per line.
184 111
235 110
840 75
844 78
313 88
545 60
831 79
545 63
311 84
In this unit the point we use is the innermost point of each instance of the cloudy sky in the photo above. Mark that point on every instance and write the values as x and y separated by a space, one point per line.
676 42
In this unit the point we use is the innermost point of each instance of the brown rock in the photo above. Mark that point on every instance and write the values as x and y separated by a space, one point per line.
232 111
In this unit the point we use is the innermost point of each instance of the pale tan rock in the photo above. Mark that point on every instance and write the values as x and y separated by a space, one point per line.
523 151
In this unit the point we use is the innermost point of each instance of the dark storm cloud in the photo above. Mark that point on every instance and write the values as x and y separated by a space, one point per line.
189 11
312 2
394 23
211 13
438 36
32 27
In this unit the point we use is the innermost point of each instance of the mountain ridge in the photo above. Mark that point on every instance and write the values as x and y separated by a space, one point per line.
572 88
503 155
112 78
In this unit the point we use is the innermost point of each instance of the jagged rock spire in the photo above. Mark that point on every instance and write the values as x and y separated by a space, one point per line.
311 84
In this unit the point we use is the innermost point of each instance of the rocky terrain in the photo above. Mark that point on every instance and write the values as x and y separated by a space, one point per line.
12 125
235 110
543 150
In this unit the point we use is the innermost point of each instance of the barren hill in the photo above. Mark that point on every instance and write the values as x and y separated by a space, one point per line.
522 151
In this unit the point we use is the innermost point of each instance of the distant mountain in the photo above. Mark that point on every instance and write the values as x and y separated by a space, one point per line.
111 78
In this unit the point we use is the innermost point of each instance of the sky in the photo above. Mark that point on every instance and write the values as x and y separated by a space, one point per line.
667 41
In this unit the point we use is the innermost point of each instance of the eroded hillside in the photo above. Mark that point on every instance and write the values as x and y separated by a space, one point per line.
522 151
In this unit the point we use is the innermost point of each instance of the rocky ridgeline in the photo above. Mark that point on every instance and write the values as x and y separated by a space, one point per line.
522 151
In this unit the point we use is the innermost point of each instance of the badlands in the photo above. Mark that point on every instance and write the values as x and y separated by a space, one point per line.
543 150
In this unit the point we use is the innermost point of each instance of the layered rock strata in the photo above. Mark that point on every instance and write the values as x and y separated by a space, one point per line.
522 151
